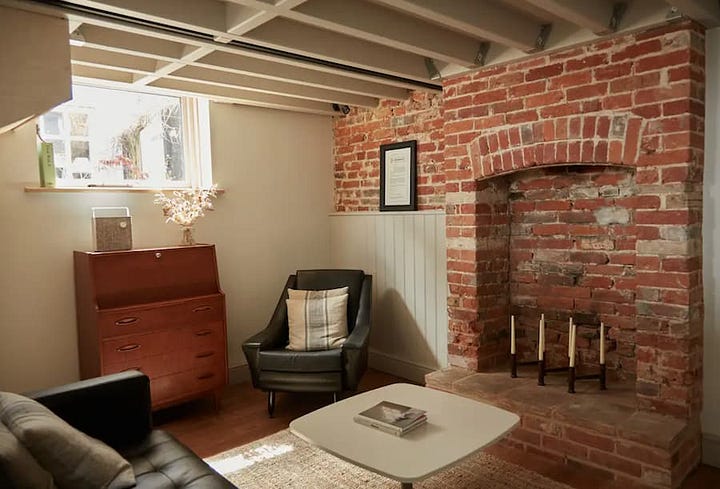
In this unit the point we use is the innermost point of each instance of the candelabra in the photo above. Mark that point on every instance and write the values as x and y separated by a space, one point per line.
543 370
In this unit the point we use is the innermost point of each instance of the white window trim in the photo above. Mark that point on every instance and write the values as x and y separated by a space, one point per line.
196 148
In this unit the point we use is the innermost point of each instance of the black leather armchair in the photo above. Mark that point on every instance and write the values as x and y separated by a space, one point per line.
116 410
274 368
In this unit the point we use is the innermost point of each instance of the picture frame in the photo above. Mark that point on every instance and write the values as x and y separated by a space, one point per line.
398 176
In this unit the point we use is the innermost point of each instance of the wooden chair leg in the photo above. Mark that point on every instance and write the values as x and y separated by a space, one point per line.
271 403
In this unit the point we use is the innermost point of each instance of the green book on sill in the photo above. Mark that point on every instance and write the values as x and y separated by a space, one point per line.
46 160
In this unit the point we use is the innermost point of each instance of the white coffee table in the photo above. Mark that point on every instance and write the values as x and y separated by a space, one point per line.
456 428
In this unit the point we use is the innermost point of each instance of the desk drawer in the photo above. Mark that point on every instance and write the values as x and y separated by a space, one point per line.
169 363
202 337
204 359
183 384
153 366
127 321
132 348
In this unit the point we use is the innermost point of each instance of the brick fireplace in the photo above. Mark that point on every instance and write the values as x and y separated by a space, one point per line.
572 186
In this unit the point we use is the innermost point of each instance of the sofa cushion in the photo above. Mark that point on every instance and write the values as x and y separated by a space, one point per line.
74 459
306 361
317 324
18 468
161 462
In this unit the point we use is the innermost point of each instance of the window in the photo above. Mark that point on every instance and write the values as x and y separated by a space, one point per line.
107 137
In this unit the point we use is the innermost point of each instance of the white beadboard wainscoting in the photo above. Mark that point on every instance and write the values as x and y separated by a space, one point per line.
405 253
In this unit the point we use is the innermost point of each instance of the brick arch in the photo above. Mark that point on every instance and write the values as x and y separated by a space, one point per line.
586 138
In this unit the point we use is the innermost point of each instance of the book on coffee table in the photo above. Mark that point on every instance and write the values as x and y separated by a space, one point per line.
392 418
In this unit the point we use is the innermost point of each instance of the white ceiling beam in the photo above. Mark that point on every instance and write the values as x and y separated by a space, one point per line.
131 43
245 97
122 81
306 40
179 42
233 63
88 56
594 15
242 17
232 80
188 14
228 58
707 12
191 54
478 19
384 26
95 73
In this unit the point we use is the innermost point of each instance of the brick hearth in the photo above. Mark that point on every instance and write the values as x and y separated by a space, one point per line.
572 186
602 430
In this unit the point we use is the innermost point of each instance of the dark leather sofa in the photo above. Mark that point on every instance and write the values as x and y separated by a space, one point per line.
116 410
274 368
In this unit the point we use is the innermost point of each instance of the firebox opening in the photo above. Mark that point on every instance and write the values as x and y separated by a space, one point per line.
560 241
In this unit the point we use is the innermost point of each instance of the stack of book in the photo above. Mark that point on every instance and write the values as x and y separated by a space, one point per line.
392 418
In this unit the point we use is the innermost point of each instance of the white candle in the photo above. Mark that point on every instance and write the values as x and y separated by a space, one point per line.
541 340
570 336
602 343
572 345
512 334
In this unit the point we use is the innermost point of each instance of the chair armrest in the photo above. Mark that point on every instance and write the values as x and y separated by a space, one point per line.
115 408
355 348
273 336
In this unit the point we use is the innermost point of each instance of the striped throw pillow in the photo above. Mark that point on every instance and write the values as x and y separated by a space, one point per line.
317 323
317 294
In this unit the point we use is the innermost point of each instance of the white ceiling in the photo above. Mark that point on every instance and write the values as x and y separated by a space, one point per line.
305 55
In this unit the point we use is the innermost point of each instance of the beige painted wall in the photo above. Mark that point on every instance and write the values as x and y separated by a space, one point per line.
276 168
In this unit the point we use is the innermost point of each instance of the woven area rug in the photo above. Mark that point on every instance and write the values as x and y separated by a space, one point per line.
284 460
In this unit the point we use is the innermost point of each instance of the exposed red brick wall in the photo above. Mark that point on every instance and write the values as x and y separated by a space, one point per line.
358 137
524 237
633 95
478 275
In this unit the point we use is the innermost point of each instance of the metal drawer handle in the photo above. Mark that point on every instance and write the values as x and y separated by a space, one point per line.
205 354
205 332
126 321
132 347
132 368
202 308
206 376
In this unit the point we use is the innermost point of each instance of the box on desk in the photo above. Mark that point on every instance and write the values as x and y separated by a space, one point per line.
112 228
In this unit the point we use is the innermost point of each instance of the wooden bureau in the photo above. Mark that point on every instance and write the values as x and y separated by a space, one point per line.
157 310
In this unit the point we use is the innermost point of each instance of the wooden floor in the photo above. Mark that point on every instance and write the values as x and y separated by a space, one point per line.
243 418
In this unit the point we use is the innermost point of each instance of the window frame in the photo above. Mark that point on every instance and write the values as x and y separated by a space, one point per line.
196 143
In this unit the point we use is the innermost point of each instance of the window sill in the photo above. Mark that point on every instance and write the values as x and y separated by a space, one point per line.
36 189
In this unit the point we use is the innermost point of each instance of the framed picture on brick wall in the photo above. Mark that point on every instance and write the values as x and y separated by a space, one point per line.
398 176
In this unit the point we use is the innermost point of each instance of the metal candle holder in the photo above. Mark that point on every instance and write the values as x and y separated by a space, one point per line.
572 376
514 364
543 370
600 376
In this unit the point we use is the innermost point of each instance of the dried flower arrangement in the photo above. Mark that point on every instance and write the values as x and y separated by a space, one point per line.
186 207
